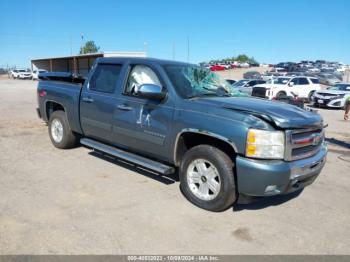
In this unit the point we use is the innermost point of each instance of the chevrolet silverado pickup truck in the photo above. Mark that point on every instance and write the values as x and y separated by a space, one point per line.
168 116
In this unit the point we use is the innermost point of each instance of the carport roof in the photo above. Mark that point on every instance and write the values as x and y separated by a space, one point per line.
101 54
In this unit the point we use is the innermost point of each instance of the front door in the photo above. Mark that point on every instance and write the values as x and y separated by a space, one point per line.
140 123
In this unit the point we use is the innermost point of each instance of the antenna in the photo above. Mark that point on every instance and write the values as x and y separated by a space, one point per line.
174 50
145 45
188 49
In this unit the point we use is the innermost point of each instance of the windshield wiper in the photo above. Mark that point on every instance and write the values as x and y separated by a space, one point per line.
201 95
208 94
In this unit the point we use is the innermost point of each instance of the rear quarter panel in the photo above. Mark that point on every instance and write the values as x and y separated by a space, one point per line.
65 94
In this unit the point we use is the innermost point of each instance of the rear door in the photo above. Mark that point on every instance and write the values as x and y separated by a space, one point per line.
98 101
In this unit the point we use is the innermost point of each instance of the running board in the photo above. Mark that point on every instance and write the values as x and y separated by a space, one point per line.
130 157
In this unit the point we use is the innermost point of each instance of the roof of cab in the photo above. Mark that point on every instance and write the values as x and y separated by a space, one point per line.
139 60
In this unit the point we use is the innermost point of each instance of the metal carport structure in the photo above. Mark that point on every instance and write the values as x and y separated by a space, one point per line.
77 64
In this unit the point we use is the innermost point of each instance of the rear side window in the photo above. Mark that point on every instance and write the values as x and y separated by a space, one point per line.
315 80
303 81
105 78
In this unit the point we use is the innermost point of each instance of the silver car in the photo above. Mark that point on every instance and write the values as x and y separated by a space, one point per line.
334 96
328 79
246 85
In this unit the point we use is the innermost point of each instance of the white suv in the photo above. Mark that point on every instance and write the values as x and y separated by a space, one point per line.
302 86
21 74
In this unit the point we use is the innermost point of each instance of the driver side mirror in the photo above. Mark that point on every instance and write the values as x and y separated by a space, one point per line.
151 91
291 84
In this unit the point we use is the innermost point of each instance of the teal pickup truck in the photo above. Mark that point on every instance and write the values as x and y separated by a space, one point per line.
171 117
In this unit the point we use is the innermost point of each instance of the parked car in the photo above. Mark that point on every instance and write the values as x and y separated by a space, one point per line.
21 74
36 72
166 116
267 76
252 75
342 68
313 70
302 86
339 75
217 68
231 81
246 85
227 66
328 79
334 96
244 65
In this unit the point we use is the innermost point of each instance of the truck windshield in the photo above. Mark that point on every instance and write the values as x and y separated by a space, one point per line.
192 81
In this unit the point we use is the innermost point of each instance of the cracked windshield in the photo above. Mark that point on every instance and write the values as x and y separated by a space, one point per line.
192 81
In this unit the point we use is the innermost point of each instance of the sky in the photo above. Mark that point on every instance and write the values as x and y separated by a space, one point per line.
269 30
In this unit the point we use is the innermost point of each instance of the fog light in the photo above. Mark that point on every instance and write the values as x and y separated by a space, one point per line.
270 188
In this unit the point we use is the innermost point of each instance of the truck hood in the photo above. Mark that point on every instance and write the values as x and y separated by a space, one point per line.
333 92
279 114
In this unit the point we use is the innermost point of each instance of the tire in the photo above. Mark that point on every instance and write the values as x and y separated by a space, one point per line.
309 96
59 131
223 175
281 94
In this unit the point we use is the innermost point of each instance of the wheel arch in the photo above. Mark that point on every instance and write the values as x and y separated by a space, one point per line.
52 106
188 138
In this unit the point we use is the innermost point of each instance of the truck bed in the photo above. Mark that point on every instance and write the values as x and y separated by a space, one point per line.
63 92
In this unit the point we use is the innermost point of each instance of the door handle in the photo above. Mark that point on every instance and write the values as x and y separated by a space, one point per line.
124 107
87 99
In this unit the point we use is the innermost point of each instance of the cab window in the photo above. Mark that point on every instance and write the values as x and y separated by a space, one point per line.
139 75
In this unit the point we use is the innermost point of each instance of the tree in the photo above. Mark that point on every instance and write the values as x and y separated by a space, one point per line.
242 58
89 47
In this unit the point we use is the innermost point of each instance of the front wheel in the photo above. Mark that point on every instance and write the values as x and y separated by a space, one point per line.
207 178
59 131
281 95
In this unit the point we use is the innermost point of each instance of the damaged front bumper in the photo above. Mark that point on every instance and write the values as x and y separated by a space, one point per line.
274 177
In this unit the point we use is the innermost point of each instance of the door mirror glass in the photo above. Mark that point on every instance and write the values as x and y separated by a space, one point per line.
151 91
291 84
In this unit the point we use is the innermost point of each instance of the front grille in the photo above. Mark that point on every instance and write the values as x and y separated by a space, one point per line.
303 143
259 91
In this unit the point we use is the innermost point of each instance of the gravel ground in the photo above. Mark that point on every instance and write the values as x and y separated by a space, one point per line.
75 202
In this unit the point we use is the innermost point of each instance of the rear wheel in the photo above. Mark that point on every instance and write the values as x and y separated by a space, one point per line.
207 178
309 97
59 131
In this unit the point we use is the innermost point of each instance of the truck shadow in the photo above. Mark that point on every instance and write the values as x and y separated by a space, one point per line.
165 179
338 142
264 202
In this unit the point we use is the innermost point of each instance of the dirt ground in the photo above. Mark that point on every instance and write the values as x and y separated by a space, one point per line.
237 74
76 202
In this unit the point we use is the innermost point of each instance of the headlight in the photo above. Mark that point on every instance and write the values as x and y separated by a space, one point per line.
265 144
340 96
